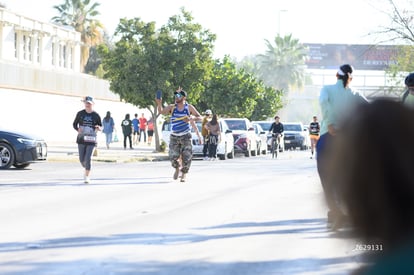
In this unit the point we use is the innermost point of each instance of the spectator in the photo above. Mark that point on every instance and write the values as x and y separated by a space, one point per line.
204 132
372 168
127 131
150 130
135 124
108 128
143 128
214 136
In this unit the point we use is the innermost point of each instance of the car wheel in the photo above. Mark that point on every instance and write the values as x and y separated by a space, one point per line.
6 156
231 154
254 151
21 165
223 156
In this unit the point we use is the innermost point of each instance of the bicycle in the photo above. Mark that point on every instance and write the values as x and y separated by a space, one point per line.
274 149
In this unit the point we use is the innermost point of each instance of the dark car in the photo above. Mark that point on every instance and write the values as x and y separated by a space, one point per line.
296 135
20 150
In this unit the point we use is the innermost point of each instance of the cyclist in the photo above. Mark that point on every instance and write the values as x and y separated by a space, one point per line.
276 129
314 129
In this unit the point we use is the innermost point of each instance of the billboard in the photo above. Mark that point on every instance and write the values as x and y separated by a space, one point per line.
361 57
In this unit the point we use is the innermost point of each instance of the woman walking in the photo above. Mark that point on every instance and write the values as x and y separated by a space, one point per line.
214 136
108 128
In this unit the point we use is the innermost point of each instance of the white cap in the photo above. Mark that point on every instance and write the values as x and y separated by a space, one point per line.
208 112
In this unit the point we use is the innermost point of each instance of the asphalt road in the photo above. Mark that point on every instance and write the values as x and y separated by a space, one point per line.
243 216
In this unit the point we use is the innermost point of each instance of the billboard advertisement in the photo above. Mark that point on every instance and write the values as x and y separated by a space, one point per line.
361 57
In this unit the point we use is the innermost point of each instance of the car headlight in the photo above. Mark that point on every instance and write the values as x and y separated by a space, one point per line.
26 141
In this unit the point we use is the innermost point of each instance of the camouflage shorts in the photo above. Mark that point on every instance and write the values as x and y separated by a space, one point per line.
181 146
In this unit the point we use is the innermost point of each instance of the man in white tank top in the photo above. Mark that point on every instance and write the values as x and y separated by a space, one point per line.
183 116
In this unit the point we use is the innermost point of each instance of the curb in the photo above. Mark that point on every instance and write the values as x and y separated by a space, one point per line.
70 154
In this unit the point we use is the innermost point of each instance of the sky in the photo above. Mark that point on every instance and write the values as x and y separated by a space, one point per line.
242 26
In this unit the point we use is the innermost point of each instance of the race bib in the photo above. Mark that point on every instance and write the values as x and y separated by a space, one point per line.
89 138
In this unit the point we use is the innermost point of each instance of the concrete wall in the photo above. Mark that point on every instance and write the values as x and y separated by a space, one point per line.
51 115
45 102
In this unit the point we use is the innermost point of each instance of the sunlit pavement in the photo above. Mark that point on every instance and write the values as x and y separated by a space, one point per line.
243 216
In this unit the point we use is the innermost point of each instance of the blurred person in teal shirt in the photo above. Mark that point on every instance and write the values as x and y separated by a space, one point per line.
372 168
336 102
408 96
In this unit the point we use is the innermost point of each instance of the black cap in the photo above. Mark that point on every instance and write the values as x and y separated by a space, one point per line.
409 80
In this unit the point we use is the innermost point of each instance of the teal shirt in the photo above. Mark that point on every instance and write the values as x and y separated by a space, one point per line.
336 102
409 100
399 261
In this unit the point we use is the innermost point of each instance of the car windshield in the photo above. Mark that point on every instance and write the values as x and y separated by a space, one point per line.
265 125
234 124
292 127
198 126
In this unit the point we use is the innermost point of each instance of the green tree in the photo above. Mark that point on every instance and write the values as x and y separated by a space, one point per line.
283 64
399 30
80 14
233 92
145 60
268 103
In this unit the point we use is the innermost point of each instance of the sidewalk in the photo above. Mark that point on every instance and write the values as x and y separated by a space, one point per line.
68 151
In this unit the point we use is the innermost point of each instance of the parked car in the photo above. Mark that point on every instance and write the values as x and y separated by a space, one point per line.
266 124
225 148
296 135
244 136
261 139
20 150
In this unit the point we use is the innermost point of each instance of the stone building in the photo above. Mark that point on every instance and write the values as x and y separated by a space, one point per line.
41 84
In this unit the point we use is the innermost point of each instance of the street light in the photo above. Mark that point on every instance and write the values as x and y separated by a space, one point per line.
280 11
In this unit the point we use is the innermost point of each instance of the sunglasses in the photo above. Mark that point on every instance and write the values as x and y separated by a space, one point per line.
179 94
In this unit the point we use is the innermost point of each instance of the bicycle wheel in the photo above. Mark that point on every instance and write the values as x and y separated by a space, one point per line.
276 148
273 148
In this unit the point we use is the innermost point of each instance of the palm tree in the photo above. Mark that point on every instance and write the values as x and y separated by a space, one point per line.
79 15
283 63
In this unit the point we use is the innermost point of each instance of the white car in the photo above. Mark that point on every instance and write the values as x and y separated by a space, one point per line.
261 139
266 124
225 149
244 136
